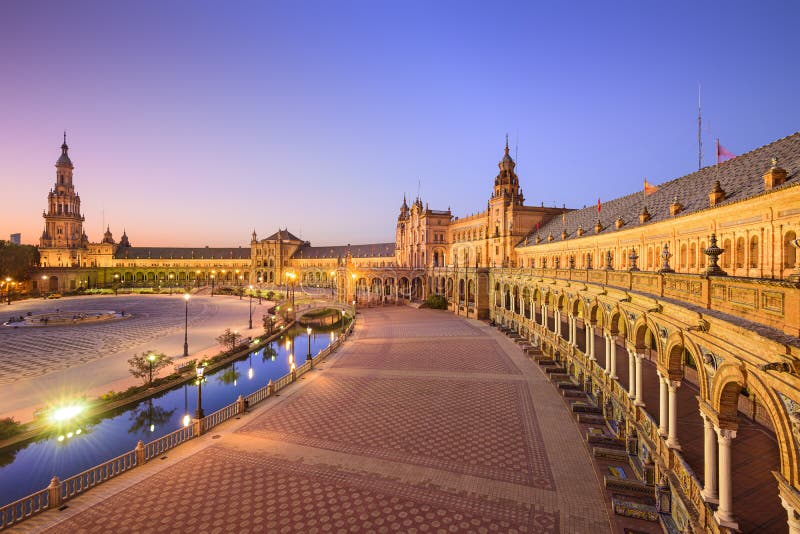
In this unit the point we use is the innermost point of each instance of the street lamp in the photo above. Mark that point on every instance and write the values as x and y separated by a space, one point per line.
308 331
342 329
196 278
116 283
199 413
250 323
8 289
186 297
151 358
212 282
171 276
44 280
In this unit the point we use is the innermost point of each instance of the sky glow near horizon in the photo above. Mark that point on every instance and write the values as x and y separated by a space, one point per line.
193 123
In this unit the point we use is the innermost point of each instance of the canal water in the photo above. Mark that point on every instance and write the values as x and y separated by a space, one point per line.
80 446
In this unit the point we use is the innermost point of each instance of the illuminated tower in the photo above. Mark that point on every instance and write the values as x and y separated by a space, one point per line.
63 238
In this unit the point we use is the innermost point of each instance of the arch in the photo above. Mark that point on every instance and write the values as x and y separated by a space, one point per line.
739 253
727 384
789 252
645 335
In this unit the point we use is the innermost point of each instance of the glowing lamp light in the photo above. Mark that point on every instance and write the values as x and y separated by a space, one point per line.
152 428
60 438
65 413
186 420
250 373
187 296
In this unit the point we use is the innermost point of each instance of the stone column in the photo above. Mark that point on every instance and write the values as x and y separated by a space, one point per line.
544 315
662 406
639 384
793 519
631 375
557 321
570 320
612 355
672 439
609 341
710 465
724 513
588 341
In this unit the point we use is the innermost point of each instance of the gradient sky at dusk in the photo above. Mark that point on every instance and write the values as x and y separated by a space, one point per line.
191 123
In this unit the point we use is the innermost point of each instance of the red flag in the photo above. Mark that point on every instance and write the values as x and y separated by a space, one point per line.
649 188
723 154
598 206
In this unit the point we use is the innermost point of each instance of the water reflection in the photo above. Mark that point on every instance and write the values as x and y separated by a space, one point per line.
148 416
81 444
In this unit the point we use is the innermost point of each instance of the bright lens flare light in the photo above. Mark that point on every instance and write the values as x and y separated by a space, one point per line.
186 420
65 413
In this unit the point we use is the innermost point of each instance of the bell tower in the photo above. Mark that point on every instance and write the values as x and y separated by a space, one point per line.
63 236
506 183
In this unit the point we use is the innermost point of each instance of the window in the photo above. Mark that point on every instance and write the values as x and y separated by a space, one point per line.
693 256
683 256
726 256
739 253
754 252
789 252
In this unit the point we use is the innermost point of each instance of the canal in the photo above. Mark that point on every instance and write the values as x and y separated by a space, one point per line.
73 449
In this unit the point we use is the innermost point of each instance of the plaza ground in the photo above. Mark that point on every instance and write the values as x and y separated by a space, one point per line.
42 364
423 421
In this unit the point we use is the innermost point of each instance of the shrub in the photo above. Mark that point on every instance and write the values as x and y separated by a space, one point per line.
436 302
10 427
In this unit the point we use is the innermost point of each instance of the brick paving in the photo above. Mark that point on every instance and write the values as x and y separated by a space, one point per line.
414 446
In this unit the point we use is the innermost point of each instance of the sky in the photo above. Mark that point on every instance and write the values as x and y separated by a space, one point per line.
194 123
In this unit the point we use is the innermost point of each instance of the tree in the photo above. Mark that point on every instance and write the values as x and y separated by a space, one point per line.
268 321
147 363
229 339
17 260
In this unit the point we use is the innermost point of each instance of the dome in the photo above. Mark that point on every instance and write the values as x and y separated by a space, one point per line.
63 160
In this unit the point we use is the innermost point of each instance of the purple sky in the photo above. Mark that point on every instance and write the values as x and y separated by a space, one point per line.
192 123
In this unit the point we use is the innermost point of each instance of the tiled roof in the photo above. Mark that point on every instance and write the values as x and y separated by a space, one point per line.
740 178
285 235
374 250
167 253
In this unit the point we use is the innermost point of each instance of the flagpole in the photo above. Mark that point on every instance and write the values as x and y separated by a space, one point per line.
699 130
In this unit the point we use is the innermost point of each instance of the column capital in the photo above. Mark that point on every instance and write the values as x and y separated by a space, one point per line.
724 435
673 384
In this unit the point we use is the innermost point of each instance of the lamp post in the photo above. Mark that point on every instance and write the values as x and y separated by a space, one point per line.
213 273
151 358
308 332
116 283
196 278
44 281
259 291
342 328
186 298
199 413
8 289
250 323
171 276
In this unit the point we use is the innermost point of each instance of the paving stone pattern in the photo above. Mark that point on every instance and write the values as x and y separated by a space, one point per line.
359 447
27 352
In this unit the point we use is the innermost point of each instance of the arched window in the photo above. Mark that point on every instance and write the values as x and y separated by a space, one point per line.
703 254
726 256
649 258
683 257
789 252
754 252
739 254
693 256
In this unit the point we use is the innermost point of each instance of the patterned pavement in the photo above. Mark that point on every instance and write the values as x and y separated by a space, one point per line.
440 439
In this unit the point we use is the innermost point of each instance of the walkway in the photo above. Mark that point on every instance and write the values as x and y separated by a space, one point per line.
422 422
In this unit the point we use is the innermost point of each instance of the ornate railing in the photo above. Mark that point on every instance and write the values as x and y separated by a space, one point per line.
774 303
23 509
163 444
98 474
